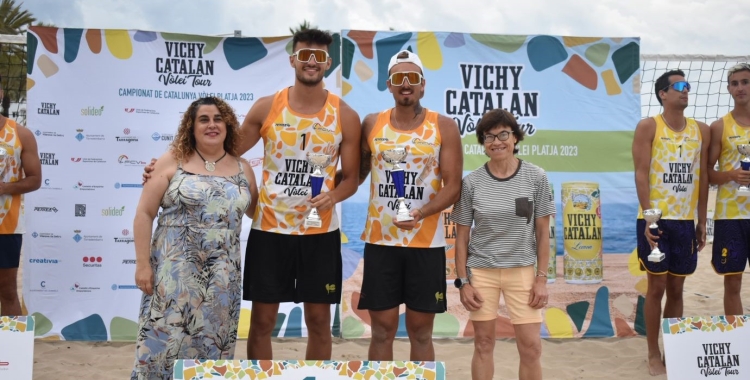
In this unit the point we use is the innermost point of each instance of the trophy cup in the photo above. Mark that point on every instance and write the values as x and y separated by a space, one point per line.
394 157
318 162
652 216
3 163
744 150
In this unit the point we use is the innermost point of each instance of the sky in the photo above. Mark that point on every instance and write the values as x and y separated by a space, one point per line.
664 26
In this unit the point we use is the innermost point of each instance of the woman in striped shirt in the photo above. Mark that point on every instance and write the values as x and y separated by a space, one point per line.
508 202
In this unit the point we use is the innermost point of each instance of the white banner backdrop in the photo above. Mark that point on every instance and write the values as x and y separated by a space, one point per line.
102 103
707 347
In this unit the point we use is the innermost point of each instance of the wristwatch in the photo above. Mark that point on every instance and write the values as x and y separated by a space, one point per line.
460 282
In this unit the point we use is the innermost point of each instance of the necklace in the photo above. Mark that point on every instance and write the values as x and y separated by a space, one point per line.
670 127
210 166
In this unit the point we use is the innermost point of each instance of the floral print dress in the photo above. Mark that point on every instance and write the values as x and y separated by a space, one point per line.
195 255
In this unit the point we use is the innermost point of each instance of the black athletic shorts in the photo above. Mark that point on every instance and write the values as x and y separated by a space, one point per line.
292 268
396 275
10 250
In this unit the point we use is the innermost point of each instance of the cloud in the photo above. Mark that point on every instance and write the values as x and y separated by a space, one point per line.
665 26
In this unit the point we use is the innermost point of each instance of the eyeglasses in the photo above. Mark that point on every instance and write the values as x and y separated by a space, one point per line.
736 68
678 86
304 55
397 79
502 136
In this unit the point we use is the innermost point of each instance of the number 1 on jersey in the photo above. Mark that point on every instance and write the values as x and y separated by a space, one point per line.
304 141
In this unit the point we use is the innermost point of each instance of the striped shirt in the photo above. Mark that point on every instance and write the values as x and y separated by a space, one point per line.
503 211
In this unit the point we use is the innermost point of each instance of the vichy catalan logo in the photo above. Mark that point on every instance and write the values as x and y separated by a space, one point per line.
330 288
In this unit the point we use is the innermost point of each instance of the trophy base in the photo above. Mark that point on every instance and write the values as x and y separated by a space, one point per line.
656 257
404 218
314 223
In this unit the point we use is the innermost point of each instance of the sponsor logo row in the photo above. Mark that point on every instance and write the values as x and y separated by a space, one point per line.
45 286
51 109
78 236
126 136
49 184
80 210
51 159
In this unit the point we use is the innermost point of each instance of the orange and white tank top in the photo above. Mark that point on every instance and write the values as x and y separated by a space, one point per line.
675 170
11 210
287 137
728 204
422 181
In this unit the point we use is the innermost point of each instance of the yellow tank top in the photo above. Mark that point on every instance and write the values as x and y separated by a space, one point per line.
675 170
11 209
728 204
422 180
285 187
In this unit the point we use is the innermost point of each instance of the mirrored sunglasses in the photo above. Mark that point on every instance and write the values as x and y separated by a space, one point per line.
414 78
679 86
304 55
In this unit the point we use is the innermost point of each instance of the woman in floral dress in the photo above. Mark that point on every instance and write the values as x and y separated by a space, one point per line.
190 269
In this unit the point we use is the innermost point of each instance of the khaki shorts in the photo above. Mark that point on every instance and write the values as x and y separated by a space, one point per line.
515 285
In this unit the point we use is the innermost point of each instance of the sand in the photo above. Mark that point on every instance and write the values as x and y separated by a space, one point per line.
610 358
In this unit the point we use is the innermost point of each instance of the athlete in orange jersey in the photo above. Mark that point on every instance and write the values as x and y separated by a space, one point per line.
286 261
20 173
404 262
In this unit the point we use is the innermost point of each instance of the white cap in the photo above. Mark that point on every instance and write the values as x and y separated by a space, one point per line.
410 57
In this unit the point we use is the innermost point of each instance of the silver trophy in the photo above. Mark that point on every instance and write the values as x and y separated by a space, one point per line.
3 161
394 157
652 216
318 162
744 150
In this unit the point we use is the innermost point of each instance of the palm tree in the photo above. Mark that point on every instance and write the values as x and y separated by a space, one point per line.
13 21
305 25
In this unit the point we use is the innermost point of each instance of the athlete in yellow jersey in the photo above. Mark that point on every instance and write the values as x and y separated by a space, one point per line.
20 173
731 247
669 155
404 262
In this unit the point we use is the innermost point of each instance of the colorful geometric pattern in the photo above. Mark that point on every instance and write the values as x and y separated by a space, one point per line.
267 369
542 51
722 323
19 324
238 52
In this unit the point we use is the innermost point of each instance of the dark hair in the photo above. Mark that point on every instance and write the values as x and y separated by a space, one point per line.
184 142
662 83
312 36
499 118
